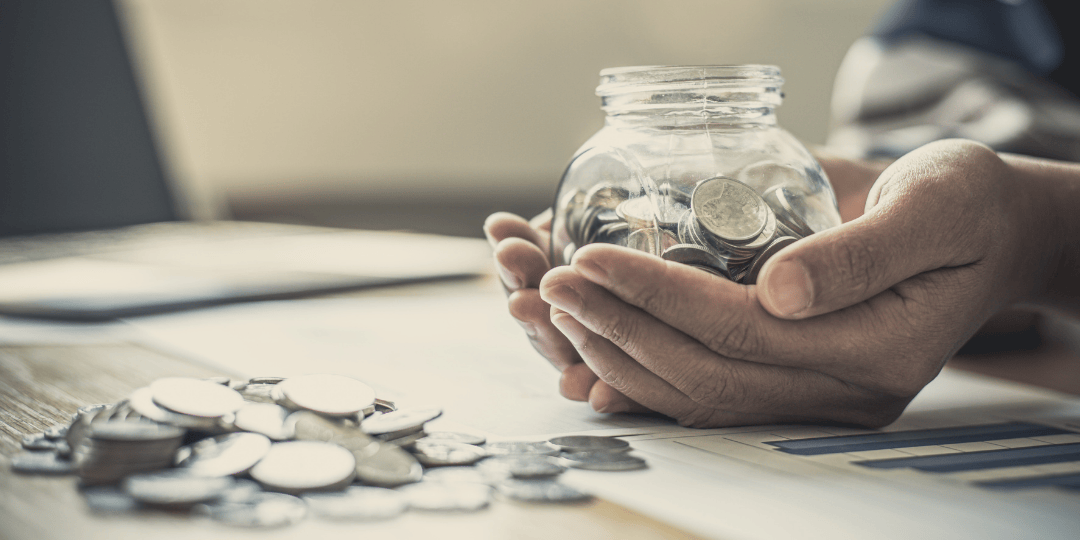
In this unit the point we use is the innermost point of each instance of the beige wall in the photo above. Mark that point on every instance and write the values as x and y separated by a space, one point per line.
275 98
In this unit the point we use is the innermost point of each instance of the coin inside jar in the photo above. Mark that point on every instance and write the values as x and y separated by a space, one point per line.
335 395
729 209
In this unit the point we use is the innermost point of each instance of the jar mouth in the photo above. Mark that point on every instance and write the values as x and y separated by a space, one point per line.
669 89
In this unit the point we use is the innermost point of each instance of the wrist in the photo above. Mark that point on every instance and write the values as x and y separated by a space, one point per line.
1048 196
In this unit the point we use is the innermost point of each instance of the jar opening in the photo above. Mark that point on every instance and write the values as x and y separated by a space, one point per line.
740 93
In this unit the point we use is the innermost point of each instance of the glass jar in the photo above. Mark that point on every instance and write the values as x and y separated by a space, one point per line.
691 166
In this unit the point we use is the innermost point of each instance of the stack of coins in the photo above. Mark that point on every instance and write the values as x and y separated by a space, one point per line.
268 451
723 227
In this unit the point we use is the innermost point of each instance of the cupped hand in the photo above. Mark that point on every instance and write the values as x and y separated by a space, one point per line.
521 259
847 325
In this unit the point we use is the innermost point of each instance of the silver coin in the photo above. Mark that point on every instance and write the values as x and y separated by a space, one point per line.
40 462
386 465
459 474
694 255
785 202
242 490
587 443
224 381
265 380
142 400
134 431
540 491
453 436
401 420
729 209
308 426
384 405
174 488
109 499
264 510
447 497
225 455
775 247
603 461
506 448
300 466
195 397
55 433
407 440
521 466
359 503
334 395
257 392
264 418
442 454
638 213
768 234
38 442
652 241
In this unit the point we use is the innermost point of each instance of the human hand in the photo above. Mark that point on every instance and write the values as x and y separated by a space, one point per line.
847 325
521 259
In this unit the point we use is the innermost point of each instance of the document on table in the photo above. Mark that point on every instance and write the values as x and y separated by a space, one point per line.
949 467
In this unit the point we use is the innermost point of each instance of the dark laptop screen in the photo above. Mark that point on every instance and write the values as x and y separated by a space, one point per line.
76 149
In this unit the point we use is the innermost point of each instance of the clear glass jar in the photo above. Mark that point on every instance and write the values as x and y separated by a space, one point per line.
691 166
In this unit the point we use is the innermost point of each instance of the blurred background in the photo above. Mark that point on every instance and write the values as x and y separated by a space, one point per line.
427 115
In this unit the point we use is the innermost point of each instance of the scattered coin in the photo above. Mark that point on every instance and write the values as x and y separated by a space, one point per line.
540 491
586 443
55 433
360 503
109 499
505 448
195 397
450 436
441 454
400 420
334 395
447 497
142 400
225 455
299 466
40 462
174 488
264 510
522 466
38 442
459 474
386 465
265 418
603 461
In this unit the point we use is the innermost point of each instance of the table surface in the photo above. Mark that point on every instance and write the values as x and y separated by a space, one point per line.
41 384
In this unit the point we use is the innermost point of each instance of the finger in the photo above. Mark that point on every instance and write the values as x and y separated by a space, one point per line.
914 227
577 381
534 315
519 263
605 399
542 221
709 380
502 225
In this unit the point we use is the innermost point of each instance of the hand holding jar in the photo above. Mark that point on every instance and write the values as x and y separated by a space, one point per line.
847 324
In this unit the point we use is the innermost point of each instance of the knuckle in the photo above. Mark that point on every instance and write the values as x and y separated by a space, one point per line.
857 263
622 332
735 337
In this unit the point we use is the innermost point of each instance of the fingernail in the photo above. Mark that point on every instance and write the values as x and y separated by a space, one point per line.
613 407
570 328
510 279
788 288
563 297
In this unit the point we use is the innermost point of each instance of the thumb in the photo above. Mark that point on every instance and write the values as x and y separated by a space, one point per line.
902 235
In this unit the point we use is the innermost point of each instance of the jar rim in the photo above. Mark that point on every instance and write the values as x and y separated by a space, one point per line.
619 80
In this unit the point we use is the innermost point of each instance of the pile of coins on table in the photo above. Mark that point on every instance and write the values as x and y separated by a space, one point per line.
723 227
267 451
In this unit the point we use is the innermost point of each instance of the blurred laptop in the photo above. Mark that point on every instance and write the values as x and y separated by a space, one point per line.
91 226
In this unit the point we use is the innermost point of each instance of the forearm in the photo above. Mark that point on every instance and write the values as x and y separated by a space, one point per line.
1050 193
